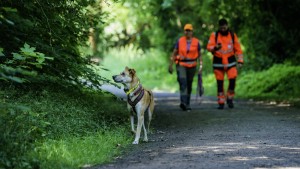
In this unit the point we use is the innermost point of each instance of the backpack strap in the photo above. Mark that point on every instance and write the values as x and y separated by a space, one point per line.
216 36
232 35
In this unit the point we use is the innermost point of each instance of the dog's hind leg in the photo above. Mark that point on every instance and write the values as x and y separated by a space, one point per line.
149 119
145 132
150 112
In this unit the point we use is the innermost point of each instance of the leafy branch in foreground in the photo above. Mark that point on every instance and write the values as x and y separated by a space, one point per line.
57 28
22 65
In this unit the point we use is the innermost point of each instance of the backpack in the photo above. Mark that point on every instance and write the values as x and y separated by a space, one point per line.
231 33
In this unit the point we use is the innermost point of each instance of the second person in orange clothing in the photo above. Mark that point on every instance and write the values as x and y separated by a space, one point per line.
227 54
186 54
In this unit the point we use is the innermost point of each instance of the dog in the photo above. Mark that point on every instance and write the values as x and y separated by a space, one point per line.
139 101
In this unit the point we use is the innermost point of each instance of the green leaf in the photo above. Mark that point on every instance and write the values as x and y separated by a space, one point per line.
40 60
50 58
8 9
16 79
9 62
18 56
1 52
27 50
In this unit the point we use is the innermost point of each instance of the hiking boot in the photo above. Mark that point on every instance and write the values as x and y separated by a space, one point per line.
183 106
230 103
188 108
221 106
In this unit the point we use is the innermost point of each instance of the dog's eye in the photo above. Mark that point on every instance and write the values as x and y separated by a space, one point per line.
123 74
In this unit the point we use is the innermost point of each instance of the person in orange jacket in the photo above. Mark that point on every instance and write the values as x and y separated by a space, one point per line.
227 55
185 54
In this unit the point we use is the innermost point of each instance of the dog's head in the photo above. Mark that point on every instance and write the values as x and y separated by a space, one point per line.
127 76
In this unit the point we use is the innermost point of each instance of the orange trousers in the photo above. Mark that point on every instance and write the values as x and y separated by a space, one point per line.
231 75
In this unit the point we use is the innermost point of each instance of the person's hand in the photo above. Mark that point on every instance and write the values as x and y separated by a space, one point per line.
218 46
240 65
171 68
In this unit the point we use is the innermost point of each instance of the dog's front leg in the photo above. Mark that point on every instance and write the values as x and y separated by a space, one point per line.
140 116
131 117
132 123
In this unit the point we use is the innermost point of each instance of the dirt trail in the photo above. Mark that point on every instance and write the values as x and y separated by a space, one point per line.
252 135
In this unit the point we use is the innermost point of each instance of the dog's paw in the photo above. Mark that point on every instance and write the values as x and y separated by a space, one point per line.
135 142
145 140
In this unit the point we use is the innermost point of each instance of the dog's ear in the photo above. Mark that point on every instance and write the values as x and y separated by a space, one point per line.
131 72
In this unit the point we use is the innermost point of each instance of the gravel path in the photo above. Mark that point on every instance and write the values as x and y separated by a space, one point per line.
252 135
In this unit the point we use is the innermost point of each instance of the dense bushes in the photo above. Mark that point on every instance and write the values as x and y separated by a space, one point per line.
55 29
51 114
280 82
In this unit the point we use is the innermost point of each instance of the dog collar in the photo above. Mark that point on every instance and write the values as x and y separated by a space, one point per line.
132 89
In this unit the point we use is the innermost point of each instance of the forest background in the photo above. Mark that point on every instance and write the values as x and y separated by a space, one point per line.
55 55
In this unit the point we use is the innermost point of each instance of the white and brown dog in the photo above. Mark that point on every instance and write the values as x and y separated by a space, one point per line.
139 100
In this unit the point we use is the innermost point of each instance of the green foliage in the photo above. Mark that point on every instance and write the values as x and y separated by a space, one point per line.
267 36
19 127
54 114
56 28
279 82
271 37
22 64
74 152
132 22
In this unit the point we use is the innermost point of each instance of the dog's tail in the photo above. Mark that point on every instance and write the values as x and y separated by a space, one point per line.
151 105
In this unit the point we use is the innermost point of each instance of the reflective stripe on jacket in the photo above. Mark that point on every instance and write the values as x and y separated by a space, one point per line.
225 57
187 57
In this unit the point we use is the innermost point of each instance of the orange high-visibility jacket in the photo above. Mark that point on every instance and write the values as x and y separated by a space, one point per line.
185 57
226 56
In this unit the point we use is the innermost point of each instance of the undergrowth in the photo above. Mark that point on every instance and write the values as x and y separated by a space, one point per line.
280 82
60 128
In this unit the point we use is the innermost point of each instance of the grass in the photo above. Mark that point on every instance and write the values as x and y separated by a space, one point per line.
76 152
61 128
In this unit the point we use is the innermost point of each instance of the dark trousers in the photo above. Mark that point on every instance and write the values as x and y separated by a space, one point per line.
185 78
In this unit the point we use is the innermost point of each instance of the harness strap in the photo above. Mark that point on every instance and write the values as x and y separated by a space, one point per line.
133 103
138 90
